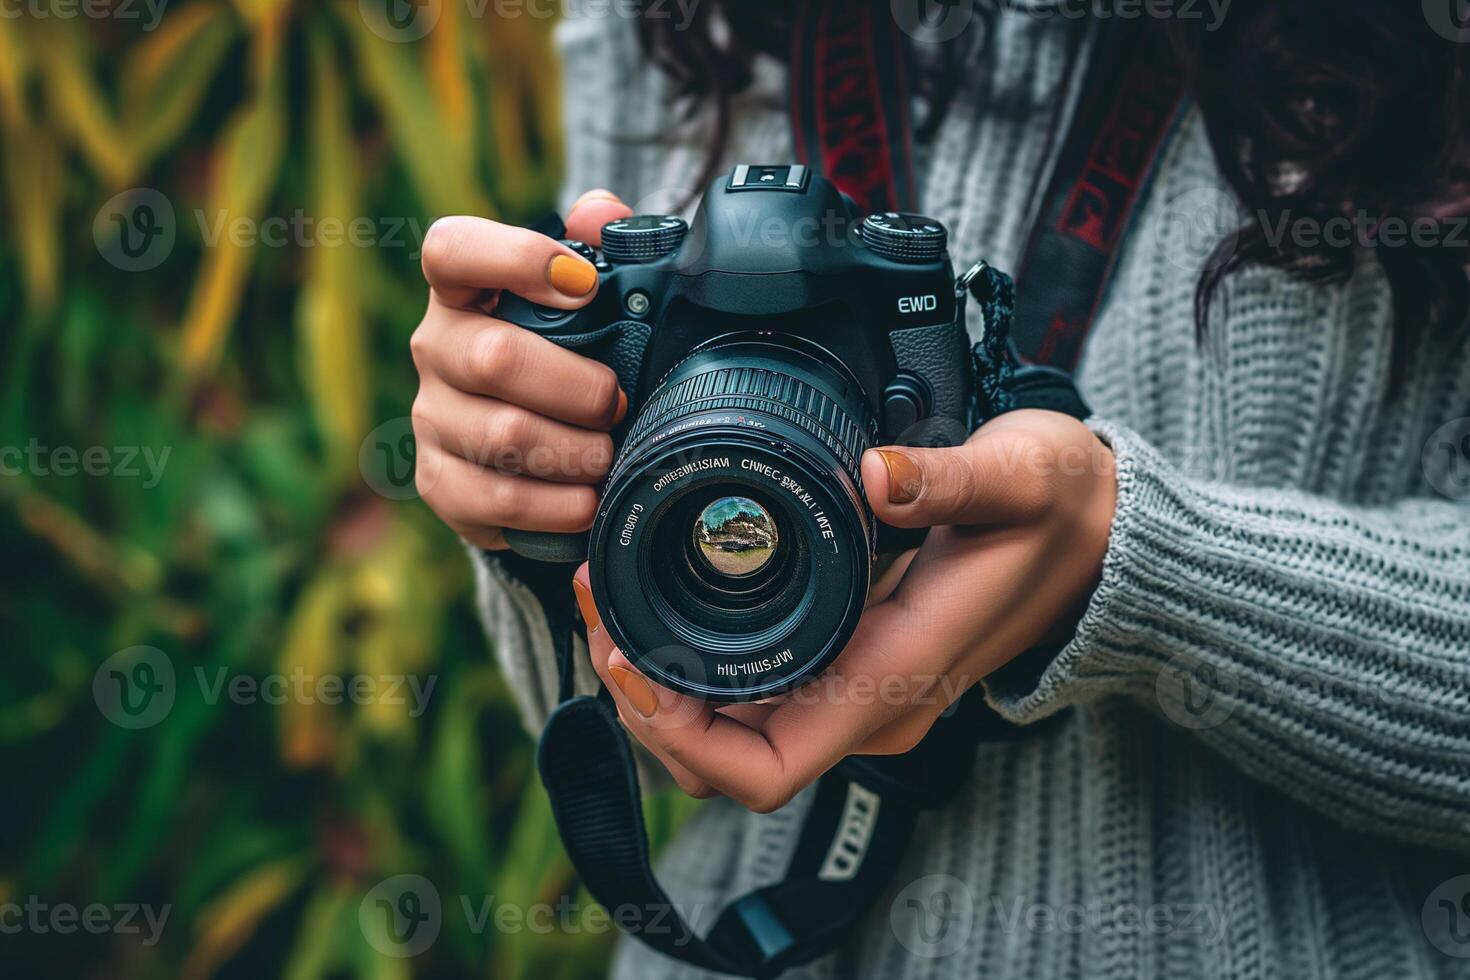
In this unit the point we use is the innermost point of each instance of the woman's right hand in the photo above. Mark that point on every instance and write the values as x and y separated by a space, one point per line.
511 429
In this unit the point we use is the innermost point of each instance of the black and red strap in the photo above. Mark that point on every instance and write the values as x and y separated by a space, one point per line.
850 69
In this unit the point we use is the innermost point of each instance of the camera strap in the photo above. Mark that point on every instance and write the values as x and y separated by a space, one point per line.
850 119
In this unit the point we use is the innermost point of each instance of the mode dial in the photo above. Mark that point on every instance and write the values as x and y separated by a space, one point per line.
642 237
905 237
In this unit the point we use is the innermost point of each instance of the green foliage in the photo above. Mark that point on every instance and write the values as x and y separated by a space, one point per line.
182 453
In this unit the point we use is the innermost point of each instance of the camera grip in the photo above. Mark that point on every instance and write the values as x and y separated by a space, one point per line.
548 546
620 346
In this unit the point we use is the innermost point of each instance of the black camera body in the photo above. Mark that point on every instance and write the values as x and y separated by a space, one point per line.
764 347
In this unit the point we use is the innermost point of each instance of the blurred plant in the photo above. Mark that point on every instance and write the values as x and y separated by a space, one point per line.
249 372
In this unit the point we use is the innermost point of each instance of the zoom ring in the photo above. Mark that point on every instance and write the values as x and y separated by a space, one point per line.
759 390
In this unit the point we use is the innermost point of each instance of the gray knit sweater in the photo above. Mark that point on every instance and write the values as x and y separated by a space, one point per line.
1265 771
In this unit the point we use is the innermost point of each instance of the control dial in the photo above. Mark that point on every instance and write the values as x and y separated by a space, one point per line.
905 237
642 237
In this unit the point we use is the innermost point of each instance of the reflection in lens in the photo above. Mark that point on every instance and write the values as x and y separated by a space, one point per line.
736 536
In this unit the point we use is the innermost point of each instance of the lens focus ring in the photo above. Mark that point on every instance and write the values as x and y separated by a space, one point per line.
753 389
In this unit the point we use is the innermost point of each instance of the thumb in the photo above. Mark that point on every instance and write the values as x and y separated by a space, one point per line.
590 212
914 487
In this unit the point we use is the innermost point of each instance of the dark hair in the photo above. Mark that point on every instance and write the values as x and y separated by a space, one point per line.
1315 109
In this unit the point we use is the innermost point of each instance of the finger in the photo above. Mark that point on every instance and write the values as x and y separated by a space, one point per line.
484 356
488 538
915 487
1009 472
804 736
464 256
890 577
600 648
590 212
467 495
512 439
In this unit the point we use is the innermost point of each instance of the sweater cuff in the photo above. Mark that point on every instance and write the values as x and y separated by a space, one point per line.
1103 657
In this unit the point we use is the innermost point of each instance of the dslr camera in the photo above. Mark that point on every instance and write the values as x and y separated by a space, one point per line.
764 346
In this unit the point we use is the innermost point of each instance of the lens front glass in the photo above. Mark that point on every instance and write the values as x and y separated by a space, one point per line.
735 537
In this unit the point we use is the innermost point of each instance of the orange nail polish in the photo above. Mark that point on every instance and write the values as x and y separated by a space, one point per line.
572 275
588 607
622 408
636 690
904 479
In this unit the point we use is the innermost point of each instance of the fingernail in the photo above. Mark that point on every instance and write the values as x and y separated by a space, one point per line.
622 408
588 607
636 690
904 479
572 275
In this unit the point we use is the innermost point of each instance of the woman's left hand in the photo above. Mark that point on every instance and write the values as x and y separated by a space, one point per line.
1021 516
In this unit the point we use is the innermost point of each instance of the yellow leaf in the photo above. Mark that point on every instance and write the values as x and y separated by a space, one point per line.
307 727
80 106
33 183
440 166
166 77
246 165
15 68
228 922
329 314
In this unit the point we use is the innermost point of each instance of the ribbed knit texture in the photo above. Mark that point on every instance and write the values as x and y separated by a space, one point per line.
1276 546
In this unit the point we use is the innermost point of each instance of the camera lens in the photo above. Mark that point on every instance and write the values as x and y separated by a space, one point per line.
732 551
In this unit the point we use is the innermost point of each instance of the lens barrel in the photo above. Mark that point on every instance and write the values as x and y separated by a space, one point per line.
732 552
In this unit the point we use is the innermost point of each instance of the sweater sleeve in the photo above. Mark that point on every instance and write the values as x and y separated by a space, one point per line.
1321 648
